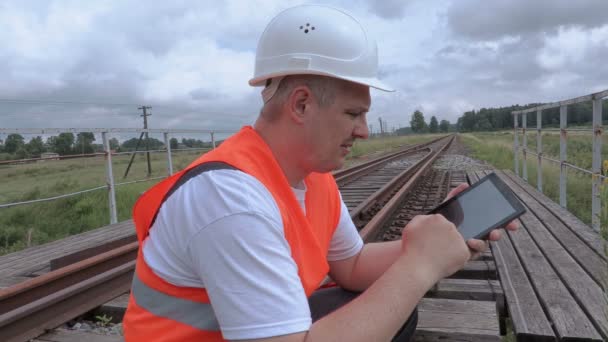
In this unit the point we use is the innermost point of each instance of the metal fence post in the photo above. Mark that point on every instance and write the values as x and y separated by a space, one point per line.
213 140
596 163
539 150
524 166
109 178
563 143
515 144
169 161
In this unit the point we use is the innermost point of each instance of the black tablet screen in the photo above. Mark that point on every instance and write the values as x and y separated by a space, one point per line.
478 209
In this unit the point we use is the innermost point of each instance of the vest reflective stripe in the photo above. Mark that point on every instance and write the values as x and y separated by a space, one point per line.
197 315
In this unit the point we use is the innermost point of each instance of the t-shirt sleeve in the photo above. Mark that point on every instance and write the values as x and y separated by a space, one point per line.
346 241
251 279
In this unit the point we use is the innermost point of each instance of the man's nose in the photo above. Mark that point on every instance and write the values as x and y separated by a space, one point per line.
361 130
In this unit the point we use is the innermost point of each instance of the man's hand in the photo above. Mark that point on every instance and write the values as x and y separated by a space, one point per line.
479 246
435 243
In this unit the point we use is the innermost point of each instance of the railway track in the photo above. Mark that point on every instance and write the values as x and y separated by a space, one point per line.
375 193
429 193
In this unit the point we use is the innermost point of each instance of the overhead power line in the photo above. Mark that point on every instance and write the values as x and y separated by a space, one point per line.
87 103
27 101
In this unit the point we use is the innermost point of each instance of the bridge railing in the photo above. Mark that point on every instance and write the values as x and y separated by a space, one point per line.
110 185
596 130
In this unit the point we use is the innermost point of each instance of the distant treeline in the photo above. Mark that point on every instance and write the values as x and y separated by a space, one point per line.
15 146
491 119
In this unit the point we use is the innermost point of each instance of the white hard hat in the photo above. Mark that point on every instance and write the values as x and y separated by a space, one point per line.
319 40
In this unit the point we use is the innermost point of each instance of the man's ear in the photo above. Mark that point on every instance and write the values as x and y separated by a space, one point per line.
300 103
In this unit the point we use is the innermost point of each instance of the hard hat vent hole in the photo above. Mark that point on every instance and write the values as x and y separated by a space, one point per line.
307 28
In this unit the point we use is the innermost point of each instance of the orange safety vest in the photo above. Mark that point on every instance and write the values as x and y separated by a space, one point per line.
160 311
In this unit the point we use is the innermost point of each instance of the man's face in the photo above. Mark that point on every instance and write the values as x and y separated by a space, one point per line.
335 127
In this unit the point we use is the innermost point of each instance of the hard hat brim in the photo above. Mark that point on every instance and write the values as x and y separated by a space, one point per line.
367 81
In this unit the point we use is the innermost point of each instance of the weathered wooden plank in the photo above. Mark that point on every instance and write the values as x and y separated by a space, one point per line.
10 281
93 236
596 267
477 269
585 290
35 259
456 320
565 313
34 255
525 310
579 228
63 335
90 252
469 289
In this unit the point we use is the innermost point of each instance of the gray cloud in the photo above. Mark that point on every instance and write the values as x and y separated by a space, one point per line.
489 20
388 9
190 60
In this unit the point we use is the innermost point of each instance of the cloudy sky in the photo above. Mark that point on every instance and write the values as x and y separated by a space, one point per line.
92 63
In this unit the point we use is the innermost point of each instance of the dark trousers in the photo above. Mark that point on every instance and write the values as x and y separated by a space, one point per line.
324 301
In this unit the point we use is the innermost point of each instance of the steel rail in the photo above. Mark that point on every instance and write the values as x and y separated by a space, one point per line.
29 308
384 194
347 175
35 318
372 228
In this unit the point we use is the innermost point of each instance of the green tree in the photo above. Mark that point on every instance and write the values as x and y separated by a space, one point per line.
483 123
84 142
433 125
444 126
22 152
13 142
35 147
467 121
114 144
62 143
417 122
173 143
130 144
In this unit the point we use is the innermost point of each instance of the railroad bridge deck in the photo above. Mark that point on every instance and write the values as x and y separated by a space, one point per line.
548 279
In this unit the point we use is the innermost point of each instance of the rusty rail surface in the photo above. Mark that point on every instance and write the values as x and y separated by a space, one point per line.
30 308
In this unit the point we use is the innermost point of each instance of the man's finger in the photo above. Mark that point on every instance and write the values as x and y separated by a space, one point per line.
479 246
495 235
461 187
513 225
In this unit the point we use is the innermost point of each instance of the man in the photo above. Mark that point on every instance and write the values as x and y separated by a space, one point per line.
234 246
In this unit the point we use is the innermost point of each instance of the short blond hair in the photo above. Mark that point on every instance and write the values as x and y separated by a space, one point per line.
324 88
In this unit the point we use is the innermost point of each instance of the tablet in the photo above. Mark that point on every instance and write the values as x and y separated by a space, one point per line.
484 206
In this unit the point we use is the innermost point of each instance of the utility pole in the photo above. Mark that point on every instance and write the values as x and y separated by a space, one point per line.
381 128
145 115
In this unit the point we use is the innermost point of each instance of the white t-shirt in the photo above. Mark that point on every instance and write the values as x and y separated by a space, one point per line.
223 231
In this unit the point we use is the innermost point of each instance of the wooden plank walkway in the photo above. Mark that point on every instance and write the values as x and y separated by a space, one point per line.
20 266
63 335
552 271
465 306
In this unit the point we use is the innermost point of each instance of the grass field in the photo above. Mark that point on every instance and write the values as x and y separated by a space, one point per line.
497 149
38 223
